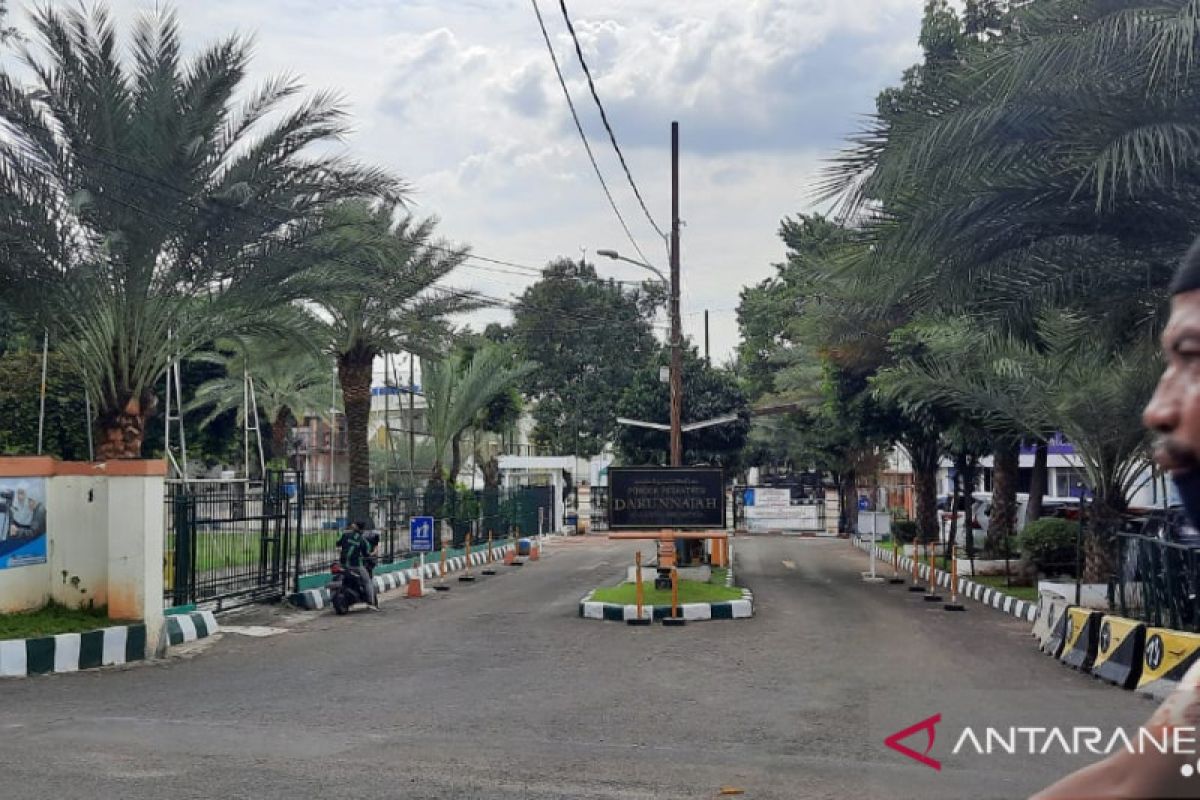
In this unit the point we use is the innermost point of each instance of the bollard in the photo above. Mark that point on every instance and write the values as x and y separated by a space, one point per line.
954 605
490 558
676 619
641 619
514 561
895 562
441 586
916 576
467 577
932 596
416 586
871 577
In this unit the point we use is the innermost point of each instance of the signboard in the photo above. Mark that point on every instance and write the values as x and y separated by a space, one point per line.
759 497
420 534
666 497
22 522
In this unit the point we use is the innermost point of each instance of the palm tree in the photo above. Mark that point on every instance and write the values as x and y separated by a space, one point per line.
456 393
388 302
143 215
288 383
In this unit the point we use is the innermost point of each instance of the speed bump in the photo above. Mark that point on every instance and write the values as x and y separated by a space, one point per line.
1119 651
1167 657
1080 638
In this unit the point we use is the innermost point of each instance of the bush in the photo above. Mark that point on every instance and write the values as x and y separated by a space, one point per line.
1049 544
904 531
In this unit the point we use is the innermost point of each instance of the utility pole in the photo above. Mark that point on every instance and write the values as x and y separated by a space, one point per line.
707 360
412 425
676 344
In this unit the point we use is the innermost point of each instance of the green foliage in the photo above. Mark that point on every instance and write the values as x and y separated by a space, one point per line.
904 531
707 393
588 337
1049 544
51 620
65 433
189 216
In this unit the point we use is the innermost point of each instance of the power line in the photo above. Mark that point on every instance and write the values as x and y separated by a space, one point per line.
579 127
604 118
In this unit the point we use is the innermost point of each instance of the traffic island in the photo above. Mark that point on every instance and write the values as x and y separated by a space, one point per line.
716 598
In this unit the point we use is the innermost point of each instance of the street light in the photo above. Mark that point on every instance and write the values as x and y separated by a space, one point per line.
676 377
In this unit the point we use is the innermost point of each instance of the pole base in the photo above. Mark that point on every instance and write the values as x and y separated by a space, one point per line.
466 578
489 572
933 598
915 588
674 622
517 564
954 607
869 578
440 588
643 622
895 581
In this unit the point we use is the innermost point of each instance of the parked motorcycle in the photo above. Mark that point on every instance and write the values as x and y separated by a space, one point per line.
350 585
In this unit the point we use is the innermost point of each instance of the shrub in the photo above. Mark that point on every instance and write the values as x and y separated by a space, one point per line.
1049 544
904 531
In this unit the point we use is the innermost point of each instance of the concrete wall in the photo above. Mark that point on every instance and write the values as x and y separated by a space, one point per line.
104 530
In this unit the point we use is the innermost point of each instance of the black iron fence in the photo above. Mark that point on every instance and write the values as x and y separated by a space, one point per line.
238 542
1157 581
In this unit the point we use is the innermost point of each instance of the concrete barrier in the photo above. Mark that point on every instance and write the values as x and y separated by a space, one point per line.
1119 651
1166 657
1057 637
1051 607
1081 638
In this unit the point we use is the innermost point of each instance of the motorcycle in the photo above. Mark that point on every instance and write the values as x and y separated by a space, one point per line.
346 584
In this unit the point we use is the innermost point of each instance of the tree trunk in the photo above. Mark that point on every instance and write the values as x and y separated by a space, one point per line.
491 473
455 458
354 375
969 474
121 433
1003 522
924 453
280 433
1099 540
847 491
1037 483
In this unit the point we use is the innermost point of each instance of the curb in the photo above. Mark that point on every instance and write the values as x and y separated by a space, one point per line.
71 652
1005 603
726 609
317 599
181 628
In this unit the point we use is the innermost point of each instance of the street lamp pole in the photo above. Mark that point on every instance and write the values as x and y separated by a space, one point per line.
676 344
676 378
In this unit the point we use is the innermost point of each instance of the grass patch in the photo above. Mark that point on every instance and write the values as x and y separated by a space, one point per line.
223 549
51 620
1027 593
689 592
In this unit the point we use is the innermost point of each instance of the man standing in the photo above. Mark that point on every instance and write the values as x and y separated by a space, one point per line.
1174 415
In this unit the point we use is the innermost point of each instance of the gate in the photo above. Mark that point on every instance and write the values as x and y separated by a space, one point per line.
227 543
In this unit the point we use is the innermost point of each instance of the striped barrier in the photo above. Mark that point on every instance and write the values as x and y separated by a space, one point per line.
1080 638
181 628
1120 651
71 652
1166 659
1049 623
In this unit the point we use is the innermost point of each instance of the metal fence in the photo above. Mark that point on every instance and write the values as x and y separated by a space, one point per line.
232 543
1157 582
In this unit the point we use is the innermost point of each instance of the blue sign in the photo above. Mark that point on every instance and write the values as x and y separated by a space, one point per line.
864 503
420 534
749 497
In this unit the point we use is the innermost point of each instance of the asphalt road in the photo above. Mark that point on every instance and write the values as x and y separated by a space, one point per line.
499 690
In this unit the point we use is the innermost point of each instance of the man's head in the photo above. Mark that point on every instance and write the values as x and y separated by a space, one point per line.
1174 411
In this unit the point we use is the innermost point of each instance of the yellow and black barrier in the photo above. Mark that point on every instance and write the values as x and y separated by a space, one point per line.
1120 650
1167 656
1081 638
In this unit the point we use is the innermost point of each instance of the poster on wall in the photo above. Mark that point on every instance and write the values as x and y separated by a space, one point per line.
22 522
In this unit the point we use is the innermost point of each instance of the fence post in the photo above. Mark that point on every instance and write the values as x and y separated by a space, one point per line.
181 580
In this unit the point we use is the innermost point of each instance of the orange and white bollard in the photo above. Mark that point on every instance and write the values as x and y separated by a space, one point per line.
487 570
896 577
441 586
467 577
676 619
639 596
931 596
416 586
954 605
916 586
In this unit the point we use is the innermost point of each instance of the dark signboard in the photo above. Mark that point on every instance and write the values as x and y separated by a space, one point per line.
666 497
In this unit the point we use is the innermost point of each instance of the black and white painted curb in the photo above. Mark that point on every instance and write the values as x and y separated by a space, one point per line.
615 612
729 609
71 652
316 599
181 628
1021 609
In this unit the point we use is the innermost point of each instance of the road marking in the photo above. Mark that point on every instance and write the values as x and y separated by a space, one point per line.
257 631
789 564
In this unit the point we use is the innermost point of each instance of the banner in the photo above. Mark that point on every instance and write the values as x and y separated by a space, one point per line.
22 522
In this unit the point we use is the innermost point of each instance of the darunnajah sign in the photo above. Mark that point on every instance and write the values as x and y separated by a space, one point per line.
666 497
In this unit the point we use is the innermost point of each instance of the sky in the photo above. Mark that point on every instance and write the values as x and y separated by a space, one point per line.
459 97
